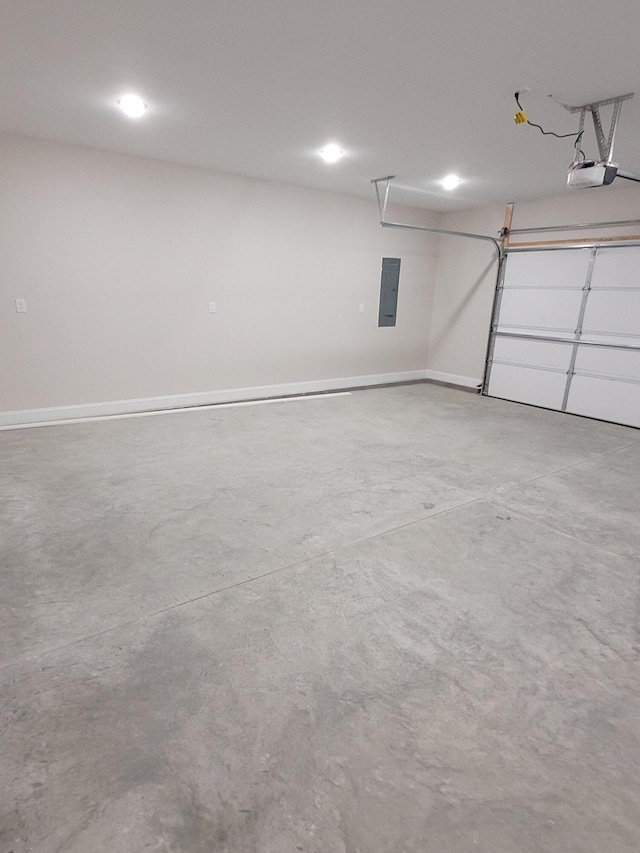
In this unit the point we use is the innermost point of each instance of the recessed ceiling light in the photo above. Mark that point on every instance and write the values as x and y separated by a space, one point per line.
132 105
331 153
450 182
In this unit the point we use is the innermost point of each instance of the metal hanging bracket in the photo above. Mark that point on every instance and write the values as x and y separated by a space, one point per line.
383 200
382 204
605 142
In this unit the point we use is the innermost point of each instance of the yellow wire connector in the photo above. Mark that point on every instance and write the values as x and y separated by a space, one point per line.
520 117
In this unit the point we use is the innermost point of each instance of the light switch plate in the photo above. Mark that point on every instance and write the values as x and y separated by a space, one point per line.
21 306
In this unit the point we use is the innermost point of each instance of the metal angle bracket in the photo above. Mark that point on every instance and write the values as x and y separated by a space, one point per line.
605 143
382 204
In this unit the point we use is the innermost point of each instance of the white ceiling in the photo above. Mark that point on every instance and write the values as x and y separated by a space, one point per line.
417 88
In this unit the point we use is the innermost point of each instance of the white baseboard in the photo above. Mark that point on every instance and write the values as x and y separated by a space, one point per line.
452 379
124 408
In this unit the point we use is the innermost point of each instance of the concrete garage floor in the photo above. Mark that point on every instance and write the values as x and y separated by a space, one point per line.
402 621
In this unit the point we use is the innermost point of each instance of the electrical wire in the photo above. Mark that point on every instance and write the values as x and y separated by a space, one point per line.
577 148
628 178
546 132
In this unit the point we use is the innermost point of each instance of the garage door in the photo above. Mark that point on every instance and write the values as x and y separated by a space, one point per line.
566 332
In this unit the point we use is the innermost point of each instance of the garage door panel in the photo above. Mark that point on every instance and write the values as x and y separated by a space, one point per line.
533 353
614 363
528 385
607 399
566 269
617 268
530 309
617 312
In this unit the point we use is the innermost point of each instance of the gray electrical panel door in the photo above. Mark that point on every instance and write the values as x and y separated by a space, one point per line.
389 281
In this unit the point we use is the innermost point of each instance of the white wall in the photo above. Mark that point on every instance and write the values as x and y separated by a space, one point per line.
466 275
118 258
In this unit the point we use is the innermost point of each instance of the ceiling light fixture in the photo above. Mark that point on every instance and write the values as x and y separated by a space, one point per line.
450 182
132 106
331 153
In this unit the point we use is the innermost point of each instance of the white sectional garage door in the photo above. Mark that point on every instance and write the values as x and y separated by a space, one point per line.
566 333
